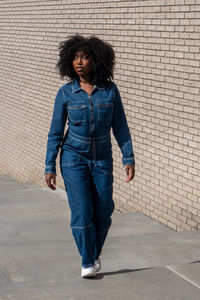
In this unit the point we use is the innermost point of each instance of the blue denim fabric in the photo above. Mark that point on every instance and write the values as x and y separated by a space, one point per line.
86 161
74 104
89 187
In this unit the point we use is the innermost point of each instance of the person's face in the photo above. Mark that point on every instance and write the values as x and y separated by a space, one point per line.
82 64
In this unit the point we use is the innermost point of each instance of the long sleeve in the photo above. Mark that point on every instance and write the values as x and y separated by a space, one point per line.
121 130
56 132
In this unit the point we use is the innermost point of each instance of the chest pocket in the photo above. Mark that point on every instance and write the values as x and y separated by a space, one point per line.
77 112
105 110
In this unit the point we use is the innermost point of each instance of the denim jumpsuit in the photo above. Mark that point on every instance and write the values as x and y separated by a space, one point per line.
86 161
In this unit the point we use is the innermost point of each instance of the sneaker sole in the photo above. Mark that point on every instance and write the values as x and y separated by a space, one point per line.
88 275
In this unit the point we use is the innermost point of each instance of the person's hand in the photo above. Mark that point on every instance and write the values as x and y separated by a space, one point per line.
51 181
130 171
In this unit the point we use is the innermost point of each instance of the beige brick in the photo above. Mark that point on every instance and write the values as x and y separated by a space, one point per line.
182 218
192 223
186 214
186 226
157 72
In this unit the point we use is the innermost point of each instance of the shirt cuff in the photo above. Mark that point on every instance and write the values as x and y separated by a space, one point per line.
128 161
50 170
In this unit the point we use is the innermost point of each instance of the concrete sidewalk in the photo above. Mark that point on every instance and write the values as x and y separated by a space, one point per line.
142 259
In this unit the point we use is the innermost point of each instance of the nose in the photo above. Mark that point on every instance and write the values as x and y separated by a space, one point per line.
79 61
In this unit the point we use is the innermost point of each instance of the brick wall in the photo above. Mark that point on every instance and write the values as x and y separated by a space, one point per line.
158 68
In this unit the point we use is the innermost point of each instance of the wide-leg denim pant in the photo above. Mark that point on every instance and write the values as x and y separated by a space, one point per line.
89 187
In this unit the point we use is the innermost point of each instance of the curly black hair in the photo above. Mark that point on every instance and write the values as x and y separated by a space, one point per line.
101 53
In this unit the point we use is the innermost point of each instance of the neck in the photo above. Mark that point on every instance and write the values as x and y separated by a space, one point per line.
84 80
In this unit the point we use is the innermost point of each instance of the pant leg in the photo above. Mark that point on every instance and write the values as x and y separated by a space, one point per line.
103 204
77 179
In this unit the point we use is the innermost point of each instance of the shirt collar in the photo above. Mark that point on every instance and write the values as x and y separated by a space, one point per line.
76 86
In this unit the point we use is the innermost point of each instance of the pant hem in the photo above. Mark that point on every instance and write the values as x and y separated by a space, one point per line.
88 265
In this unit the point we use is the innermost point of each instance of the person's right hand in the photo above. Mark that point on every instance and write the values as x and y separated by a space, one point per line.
51 181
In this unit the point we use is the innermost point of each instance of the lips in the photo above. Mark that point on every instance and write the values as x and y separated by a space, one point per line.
79 69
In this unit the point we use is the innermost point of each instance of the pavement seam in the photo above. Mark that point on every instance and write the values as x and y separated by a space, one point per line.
5 275
182 276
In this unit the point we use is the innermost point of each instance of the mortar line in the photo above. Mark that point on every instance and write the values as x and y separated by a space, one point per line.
26 190
182 276
59 190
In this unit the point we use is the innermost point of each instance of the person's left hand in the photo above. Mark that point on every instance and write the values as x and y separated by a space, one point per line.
130 171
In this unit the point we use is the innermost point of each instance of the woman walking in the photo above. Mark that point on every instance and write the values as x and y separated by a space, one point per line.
92 105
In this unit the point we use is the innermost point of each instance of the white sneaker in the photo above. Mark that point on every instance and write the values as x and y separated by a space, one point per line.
88 272
97 264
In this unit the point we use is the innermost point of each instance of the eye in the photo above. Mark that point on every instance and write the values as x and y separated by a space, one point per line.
85 56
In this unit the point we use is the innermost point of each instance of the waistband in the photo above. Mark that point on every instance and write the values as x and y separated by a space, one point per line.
88 140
